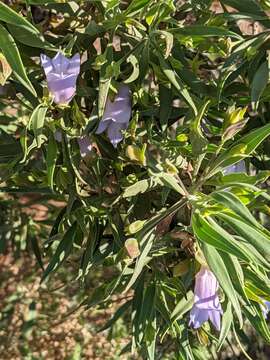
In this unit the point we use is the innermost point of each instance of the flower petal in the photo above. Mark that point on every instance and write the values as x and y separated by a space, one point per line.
74 65
119 110
115 133
214 317
58 135
205 291
198 317
235 168
265 308
60 63
46 63
63 89
61 74
102 126
85 145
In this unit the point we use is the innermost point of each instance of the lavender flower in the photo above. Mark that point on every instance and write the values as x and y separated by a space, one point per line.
235 168
116 115
58 136
265 308
206 302
85 145
61 74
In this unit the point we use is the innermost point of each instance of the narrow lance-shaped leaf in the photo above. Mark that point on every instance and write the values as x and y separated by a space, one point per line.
37 121
177 83
171 182
227 320
212 234
218 267
11 17
204 31
259 83
198 141
21 29
132 59
51 160
140 187
235 204
135 6
257 321
62 252
11 53
104 82
257 238
183 306
240 150
143 259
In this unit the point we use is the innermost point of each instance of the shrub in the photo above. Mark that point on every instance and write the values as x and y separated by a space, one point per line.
141 129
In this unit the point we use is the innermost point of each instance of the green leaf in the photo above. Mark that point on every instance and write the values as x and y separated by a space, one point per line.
257 320
249 6
236 274
168 37
153 221
227 320
218 267
240 150
37 122
22 30
143 259
198 141
51 160
211 233
171 182
258 283
29 37
176 82
137 301
254 236
5 70
259 83
11 17
135 6
204 31
148 307
63 250
235 204
105 80
140 187
132 59
183 306
11 53
239 178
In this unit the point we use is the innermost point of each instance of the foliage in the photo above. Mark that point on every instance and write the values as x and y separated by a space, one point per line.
152 210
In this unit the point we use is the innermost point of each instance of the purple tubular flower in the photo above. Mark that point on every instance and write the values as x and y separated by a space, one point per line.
206 302
58 136
61 74
85 145
235 168
265 308
116 115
